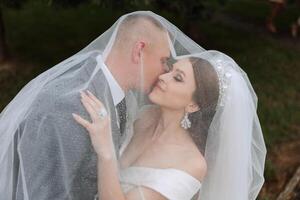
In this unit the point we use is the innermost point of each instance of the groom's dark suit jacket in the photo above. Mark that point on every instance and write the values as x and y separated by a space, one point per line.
56 153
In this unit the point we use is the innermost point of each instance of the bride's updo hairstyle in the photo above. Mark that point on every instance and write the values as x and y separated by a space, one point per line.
206 96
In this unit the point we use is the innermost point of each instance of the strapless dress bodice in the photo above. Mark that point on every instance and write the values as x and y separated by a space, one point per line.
172 183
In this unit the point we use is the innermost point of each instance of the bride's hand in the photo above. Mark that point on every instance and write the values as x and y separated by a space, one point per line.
99 129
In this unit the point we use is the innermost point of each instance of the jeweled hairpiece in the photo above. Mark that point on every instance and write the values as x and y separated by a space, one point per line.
224 77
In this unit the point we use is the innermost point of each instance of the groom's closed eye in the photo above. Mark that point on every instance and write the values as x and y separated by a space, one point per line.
168 64
165 65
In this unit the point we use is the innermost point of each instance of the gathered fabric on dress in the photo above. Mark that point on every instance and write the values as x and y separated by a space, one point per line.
172 183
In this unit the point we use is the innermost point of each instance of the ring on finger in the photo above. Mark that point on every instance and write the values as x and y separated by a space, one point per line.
102 113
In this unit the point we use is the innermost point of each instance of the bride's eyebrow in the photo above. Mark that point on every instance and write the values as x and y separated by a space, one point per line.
180 71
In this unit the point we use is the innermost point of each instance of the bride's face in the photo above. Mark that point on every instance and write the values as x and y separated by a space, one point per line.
175 88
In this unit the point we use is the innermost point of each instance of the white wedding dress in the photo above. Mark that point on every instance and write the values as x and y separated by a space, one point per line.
172 183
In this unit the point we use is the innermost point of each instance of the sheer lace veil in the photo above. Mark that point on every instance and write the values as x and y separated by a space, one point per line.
234 149
24 103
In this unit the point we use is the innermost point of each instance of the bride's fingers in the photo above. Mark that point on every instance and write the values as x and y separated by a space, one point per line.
95 99
95 103
89 109
90 101
81 121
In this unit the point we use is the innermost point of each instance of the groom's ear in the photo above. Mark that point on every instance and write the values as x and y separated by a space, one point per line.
192 107
137 51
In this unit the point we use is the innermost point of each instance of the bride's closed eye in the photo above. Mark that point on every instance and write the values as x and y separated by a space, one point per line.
178 78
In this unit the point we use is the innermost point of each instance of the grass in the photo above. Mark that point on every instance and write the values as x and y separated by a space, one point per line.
41 36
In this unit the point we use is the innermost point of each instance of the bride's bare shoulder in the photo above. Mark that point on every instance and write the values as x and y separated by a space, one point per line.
196 165
194 162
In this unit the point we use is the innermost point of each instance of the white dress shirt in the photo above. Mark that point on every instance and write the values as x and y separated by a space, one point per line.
115 89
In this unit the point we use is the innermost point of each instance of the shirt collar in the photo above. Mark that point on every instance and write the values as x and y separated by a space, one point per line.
116 91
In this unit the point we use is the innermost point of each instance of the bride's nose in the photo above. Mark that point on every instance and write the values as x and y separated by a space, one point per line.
165 77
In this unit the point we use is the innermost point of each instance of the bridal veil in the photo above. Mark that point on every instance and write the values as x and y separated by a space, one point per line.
234 149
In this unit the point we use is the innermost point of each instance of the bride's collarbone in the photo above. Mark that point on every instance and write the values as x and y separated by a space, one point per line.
164 156
144 151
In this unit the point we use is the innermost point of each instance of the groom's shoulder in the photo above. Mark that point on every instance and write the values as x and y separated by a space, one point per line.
62 93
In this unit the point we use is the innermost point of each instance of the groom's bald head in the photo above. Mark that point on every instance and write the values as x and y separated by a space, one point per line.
138 27
141 45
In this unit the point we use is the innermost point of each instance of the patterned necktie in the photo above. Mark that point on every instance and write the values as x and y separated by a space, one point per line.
121 107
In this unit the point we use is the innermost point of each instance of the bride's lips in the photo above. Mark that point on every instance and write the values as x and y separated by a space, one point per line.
158 86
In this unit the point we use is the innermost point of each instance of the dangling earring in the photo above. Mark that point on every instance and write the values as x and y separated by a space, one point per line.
185 122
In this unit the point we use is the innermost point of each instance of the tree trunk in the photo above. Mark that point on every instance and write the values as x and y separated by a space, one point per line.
4 54
289 191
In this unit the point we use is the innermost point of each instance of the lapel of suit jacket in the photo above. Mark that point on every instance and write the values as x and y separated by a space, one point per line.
100 87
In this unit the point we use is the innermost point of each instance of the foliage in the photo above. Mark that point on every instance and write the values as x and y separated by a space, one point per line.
13 3
38 35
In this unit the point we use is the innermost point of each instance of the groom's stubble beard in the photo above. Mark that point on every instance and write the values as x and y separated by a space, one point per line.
141 81
145 84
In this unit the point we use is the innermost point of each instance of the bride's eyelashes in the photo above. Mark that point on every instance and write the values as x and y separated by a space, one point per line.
178 75
178 78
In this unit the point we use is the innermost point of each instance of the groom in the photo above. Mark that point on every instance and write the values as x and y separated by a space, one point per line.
58 161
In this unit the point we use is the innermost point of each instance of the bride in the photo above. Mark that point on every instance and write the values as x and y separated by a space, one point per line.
203 97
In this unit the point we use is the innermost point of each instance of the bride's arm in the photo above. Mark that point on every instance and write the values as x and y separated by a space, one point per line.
109 187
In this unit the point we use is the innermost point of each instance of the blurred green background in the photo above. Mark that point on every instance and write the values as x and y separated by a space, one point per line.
41 33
